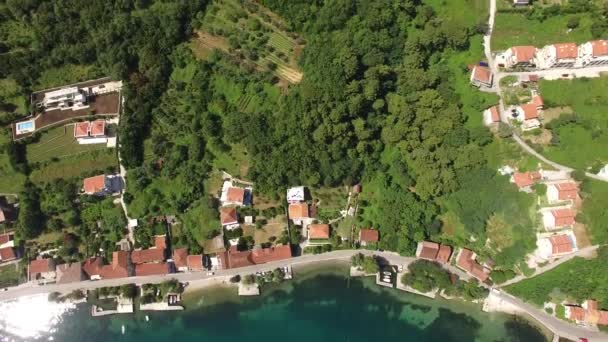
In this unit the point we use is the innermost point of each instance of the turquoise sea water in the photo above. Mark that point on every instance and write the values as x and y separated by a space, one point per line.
320 305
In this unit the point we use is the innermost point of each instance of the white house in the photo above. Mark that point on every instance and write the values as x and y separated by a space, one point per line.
481 76
295 194
556 245
557 56
517 56
560 192
593 53
491 115
528 114
66 98
558 218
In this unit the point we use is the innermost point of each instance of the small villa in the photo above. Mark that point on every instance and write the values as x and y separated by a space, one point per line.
298 212
42 270
102 185
528 114
296 194
233 258
180 256
7 254
229 218
195 262
594 53
70 273
467 261
555 246
491 116
561 192
433 251
90 132
517 57
119 267
525 180
557 56
318 232
481 76
235 195
368 236
558 218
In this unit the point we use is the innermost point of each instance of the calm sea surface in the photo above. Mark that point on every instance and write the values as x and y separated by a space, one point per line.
321 304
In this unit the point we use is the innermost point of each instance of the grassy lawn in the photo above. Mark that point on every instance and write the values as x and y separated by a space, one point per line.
594 215
513 29
506 152
461 11
10 181
581 144
76 165
58 143
66 74
235 161
331 198
11 93
9 276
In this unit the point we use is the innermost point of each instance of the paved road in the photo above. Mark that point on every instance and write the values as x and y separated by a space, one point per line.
586 252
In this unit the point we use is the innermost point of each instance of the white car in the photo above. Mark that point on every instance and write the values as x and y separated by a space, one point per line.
210 273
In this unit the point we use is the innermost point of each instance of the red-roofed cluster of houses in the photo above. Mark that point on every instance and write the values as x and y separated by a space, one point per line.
234 258
587 313
561 55
465 259
90 129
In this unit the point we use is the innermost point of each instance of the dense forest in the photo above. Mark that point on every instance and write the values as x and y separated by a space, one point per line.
377 104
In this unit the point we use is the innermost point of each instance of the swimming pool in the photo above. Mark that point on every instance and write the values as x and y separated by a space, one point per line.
25 127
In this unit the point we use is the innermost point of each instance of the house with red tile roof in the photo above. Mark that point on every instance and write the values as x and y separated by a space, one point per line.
42 270
318 232
235 194
151 269
7 254
367 236
119 267
98 128
517 57
81 129
95 185
538 101
467 261
528 114
562 192
92 268
491 116
151 255
558 218
557 245
481 76
524 180
195 262
70 273
180 261
587 313
563 55
234 258
7 240
229 218
160 241
433 251
298 212
594 53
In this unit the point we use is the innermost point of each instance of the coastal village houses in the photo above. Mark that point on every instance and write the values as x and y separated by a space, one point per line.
481 76
467 261
554 246
318 233
42 270
433 251
517 57
368 237
558 218
229 218
594 53
587 313
8 252
525 180
562 192
90 132
233 258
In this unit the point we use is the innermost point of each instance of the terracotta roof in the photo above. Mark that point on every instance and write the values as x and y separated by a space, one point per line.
523 53
235 195
566 50
577 313
41 266
94 184
467 262
563 217
567 191
429 250
444 253
179 257
494 114
368 235
479 272
560 244
228 216
298 210
264 255
92 266
530 111
591 304
525 179
98 128
160 241
603 319
195 262
7 254
538 101
318 231
81 129
148 255
69 273
232 259
482 74
533 78
151 269
6 237
118 268
599 48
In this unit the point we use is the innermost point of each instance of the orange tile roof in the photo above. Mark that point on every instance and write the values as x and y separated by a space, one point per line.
525 179
482 74
563 217
577 313
81 129
567 191
228 216
318 231
195 262
148 255
599 48
444 253
94 184
494 114
235 195
538 101
98 128
264 255
234 259
151 269
566 50
179 257
591 304
7 254
429 250
603 318
298 210
160 241
560 244
6 237
523 53
40 266
467 262
530 111
92 266
368 235
118 268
